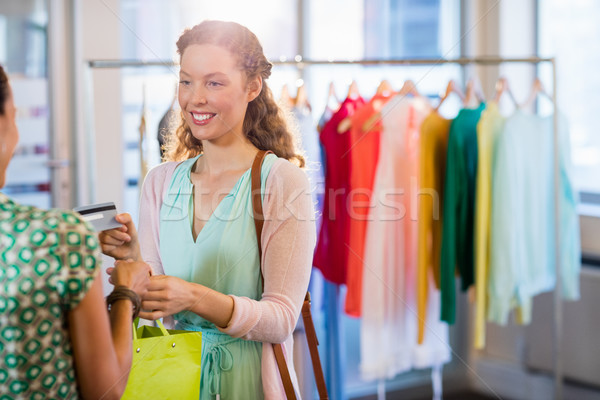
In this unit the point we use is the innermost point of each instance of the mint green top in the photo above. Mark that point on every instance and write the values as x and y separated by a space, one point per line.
225 258
523 261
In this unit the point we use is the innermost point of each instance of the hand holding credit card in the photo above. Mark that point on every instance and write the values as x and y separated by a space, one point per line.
100 216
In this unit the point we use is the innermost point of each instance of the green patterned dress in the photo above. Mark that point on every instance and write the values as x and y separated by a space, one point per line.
48 261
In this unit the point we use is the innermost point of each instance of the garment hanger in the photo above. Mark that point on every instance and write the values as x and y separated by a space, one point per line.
502 87
332 100
473 95
353 94
384 88
536 89
301 100
409 88
451 88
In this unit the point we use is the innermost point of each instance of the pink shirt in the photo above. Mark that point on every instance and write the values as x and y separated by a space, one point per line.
288 241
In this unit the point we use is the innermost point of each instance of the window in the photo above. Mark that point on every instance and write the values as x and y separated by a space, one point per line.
569 31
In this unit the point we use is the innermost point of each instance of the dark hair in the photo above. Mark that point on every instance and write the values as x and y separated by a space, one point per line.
4 89
264 123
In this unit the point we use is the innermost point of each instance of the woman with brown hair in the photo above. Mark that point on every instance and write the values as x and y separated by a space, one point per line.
56 338
196 221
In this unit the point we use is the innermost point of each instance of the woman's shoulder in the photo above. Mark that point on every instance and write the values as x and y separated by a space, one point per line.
286 179
160 171
283 171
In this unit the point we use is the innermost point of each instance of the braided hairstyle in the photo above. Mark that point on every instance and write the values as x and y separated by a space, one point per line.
265 124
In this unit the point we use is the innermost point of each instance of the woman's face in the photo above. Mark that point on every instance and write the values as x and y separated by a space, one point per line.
9 136
214 93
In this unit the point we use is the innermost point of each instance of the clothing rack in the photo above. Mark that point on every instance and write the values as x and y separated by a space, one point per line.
300 63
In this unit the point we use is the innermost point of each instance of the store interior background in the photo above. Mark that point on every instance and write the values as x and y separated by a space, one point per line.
79 127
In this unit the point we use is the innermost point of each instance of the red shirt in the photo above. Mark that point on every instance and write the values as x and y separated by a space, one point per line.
332 252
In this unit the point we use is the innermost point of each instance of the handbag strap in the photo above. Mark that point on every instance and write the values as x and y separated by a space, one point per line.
309 327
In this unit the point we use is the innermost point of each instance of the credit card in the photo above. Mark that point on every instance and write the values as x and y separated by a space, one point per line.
100 216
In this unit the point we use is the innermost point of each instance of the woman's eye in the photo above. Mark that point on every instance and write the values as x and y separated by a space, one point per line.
184 82
214 83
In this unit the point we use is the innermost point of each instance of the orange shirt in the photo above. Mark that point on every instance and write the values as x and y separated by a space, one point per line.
364 155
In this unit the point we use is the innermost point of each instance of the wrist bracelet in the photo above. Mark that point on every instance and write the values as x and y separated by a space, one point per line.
124 293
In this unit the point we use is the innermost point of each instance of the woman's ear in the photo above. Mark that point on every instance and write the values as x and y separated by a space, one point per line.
254 88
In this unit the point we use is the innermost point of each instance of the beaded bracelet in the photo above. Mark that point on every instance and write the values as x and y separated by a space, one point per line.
124 293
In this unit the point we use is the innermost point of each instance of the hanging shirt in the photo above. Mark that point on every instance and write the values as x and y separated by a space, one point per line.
522 258
364 157
388 324
459 208
434 145
332 253
489 128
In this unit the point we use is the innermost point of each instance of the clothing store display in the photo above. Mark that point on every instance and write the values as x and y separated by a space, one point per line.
331 254
389 330
209 257
459 208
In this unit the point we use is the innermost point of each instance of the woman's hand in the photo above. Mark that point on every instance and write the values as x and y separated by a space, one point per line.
166 295
134 275
121 243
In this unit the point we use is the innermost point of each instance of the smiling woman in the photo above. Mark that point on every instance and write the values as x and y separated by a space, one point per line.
197 228
214 67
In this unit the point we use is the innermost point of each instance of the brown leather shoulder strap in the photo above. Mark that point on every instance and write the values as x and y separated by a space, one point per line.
257 209
313 343
311 335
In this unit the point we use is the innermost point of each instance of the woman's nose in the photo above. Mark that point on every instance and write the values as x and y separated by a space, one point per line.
199 96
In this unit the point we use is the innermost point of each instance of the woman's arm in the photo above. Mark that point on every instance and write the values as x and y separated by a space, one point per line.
102 350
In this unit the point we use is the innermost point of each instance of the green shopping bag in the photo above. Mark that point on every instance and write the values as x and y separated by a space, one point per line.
165 365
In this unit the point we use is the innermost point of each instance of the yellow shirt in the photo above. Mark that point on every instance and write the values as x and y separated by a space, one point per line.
434 143
489 127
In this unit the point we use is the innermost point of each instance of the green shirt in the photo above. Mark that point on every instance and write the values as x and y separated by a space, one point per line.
48 261
459 208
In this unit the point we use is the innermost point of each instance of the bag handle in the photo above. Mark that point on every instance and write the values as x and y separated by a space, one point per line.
309 327
136 324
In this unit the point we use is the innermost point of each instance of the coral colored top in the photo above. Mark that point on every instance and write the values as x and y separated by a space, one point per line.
364 157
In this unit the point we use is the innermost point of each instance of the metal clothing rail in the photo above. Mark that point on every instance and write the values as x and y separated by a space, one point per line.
300 63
